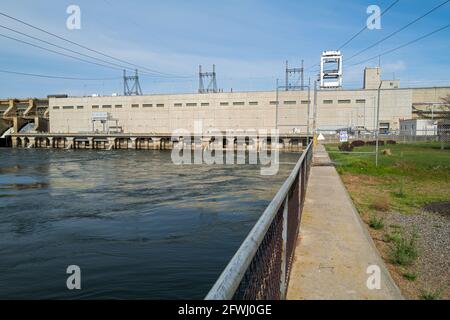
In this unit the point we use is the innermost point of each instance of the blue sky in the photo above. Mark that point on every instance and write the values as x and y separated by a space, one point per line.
248 40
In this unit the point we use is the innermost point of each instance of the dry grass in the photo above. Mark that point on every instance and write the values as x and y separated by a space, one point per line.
381 203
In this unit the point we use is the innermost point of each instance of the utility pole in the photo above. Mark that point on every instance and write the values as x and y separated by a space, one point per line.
201 86
309 111
293 77
212 84
315 113
378 125
286 77
303 79
276 107
131 85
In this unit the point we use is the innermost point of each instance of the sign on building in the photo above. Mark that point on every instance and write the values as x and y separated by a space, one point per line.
99 116
343 136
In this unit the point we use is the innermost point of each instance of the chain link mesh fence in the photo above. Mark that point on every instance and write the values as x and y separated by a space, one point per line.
265 258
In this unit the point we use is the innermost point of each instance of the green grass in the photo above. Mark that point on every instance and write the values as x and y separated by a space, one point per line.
413 176
375 222
403 250
430 294
411 276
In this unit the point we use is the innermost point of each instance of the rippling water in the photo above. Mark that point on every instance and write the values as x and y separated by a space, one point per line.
138 226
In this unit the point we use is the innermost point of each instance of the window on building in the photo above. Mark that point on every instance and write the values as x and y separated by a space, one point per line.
224 103
384 127
135 106
290 102
239 103
327 101
95 107
108 106
344 101
205 104
273 102
147 105
360 100
80 107
118 106
160 105
67 107
55 108
253 103
306 101
178 105
191 104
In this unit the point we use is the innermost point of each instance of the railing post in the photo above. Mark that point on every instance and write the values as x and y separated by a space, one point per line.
300 191
283 284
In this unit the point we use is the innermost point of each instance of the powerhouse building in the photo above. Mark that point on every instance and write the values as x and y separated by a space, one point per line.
164 113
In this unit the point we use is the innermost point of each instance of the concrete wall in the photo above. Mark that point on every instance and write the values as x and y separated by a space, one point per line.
430 95
222 111
372 78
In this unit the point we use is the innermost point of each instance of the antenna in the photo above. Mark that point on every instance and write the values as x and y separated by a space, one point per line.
131 85
204 77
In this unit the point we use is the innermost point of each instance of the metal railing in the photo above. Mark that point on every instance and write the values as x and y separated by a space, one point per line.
261 267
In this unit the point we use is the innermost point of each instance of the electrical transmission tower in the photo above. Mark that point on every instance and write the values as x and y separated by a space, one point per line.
293 77
207 77
131 86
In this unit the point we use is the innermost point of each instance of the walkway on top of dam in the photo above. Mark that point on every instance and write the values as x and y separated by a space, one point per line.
334 248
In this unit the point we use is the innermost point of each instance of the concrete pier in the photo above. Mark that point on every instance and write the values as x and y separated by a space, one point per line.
155 142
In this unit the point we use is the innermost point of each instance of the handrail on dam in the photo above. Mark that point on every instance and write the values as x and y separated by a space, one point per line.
260 268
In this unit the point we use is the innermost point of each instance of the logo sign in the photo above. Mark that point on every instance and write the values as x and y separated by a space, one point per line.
343 136
99 116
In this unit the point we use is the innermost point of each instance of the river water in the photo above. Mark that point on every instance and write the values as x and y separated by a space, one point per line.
138 226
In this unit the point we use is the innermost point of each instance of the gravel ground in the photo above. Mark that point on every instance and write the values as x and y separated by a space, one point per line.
433 263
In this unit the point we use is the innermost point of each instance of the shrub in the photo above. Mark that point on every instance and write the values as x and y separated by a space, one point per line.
403 250
346 147
411 276
391 142
376 223
374 143
358 143
430 294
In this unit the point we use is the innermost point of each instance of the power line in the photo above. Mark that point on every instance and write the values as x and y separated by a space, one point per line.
85 47
55 77
399 30
365 27
61 47
57 52
404 45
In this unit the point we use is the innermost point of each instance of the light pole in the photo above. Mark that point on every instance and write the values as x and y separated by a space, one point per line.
276 108
378 125
315 113
309 110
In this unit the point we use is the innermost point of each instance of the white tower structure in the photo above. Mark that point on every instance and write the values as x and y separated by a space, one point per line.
331 69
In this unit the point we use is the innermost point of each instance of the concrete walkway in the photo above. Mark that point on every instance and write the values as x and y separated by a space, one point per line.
334 248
